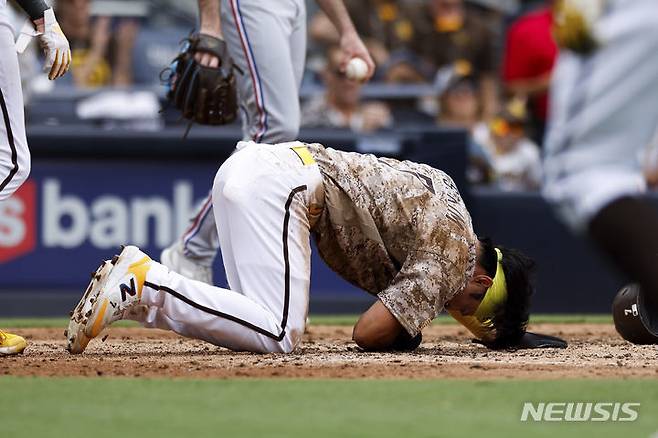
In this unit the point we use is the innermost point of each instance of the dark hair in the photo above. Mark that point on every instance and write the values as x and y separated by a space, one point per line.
511 320
488 258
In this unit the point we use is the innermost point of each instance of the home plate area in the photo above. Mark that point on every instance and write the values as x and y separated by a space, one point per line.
595 351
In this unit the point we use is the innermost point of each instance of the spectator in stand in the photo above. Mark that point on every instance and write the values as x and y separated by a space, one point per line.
101 47
528 60
515 159
89 43
459 103
386 27
448 33
460 107
341 106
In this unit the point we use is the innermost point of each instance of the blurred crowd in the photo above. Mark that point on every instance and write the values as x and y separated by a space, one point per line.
481 65
487 65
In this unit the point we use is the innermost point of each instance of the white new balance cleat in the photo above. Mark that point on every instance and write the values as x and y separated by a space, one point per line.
175 259
115 288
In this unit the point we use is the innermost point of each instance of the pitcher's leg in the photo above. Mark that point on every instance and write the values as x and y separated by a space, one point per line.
200 240
267 41
298 43
258 34
193 254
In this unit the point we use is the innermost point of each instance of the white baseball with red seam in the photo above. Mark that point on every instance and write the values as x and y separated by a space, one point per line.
356 69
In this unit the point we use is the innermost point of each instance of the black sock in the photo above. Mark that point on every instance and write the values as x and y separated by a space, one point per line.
627 231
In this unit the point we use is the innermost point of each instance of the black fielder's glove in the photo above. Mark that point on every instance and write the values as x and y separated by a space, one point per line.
206 95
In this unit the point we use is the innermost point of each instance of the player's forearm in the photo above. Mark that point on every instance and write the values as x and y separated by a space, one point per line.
33 8
322 30
337 13
377 329
210 23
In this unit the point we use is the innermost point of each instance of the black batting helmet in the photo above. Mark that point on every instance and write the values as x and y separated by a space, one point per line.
630 315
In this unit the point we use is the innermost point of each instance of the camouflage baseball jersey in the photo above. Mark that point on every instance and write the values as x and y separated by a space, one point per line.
397 229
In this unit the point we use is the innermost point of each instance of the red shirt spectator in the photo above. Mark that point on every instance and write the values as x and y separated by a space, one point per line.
528 60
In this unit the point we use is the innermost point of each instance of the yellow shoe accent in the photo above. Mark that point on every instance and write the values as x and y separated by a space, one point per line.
11 344
98 323
139 270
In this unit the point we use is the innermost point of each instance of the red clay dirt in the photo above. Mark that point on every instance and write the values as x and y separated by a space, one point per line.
595 351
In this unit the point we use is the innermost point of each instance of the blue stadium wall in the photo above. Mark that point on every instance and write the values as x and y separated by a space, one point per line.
92 191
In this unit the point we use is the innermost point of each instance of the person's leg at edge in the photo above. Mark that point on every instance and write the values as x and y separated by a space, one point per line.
260 40
14 152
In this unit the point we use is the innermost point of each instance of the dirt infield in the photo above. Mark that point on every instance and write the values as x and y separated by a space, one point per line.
595 351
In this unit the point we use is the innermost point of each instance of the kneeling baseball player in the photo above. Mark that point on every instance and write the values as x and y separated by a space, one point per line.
396 229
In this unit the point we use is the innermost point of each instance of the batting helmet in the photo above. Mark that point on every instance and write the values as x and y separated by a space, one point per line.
629 314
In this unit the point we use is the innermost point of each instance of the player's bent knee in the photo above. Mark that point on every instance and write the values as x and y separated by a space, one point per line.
292 338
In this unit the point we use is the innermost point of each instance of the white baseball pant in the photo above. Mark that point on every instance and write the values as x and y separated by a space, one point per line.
14 153
261 200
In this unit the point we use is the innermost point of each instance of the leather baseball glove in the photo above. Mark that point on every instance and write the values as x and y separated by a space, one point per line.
206 95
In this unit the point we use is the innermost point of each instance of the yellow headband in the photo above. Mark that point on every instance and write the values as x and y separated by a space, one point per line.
481 323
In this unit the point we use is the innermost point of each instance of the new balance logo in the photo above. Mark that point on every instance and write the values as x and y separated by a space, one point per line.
130 290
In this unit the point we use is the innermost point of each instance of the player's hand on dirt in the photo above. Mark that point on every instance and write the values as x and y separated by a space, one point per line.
54 44
352 47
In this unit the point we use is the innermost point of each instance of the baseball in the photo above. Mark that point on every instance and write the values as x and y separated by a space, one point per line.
357 69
